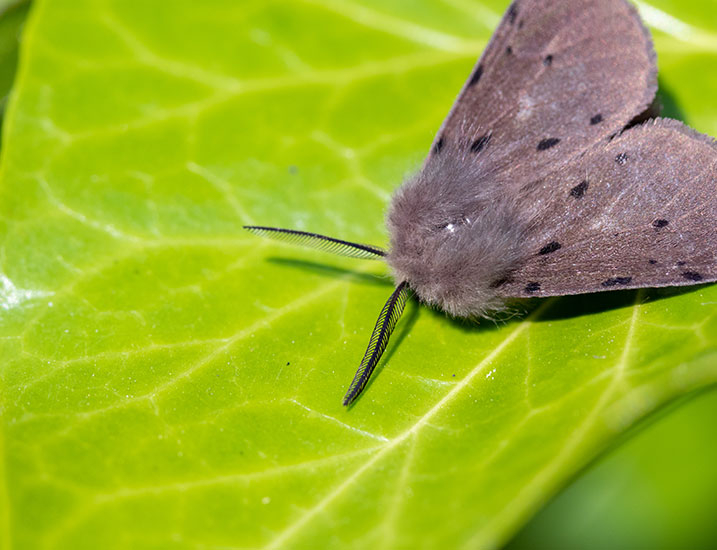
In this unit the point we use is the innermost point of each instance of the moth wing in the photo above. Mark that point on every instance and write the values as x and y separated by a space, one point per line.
639 211
556 78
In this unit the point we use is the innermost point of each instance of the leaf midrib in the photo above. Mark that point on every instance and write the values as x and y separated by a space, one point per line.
393 443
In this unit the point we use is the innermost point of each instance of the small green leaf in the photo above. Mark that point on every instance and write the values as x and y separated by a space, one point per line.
169 381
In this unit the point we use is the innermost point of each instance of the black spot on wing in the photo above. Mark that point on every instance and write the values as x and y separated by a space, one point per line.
512 13
681 263
692 276
547 143
621 158
614 281
509 50
532 287
478 145
439 145
651 261
500 282
660 223
579 190
550 247
475 77
596 119
548 60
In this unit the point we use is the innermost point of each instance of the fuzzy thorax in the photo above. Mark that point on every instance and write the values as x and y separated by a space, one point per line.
452 243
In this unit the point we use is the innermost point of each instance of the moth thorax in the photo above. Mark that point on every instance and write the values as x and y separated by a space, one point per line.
454 265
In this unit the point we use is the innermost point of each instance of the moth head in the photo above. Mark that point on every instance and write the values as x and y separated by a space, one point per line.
452 244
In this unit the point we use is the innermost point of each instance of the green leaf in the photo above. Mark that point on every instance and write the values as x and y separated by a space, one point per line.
656 491
169 381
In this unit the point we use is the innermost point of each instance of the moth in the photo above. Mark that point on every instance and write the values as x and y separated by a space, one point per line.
548 177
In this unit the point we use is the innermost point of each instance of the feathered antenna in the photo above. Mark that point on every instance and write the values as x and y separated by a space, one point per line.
320 242
385 324
390 313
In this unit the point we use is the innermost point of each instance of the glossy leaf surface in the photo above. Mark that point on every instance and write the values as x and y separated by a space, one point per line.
171 381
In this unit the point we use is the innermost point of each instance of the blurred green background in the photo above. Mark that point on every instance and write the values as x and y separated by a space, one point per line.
656 489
